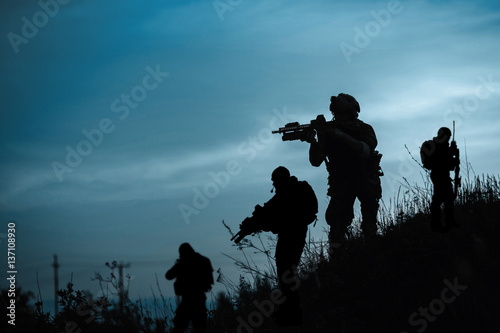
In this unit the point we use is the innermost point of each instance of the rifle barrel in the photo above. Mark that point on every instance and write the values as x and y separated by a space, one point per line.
453 131
290 129
293 127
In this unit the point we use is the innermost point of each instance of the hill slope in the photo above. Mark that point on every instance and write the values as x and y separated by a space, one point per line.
412 279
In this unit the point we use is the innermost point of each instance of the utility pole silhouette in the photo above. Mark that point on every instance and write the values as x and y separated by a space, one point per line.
56 284
121 292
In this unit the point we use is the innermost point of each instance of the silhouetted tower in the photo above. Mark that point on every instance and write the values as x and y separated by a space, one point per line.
121 292
56 284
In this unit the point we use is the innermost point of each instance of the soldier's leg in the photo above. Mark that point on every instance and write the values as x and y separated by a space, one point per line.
288 252
436 224
182 318
369 209
449 207
199 316
369 194
339 213
437 200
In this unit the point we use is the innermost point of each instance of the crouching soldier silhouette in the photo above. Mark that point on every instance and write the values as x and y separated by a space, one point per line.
347 146
287 214
193 274
440 158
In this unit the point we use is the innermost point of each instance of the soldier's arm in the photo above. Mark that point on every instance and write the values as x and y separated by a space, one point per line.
370 139
173 272
453 161
358 146
455 155
316 153
208 274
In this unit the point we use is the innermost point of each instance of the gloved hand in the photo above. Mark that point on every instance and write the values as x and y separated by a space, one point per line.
453 146
309 135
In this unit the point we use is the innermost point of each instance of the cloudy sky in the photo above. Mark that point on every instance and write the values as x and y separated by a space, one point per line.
130 127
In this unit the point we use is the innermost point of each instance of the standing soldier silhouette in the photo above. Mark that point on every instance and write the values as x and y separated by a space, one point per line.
193 274
287 213
440 157
353 165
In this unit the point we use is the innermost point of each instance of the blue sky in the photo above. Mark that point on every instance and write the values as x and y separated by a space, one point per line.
179 93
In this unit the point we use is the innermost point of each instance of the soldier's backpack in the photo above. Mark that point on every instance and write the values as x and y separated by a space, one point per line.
308 202
206 274
427 154
299 204
195 276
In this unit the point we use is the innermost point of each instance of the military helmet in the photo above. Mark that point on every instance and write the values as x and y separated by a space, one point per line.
280 173
352 103
444 131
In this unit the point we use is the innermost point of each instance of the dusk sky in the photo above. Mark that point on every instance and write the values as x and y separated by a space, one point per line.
130 127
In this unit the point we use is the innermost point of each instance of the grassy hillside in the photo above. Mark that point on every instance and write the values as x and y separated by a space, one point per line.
410 279
385 285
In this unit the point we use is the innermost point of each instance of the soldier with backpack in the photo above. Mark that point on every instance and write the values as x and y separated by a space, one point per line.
193 274
440 158
287 214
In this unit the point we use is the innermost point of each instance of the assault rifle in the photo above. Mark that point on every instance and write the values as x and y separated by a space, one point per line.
249 225
456 154
296 131
242 233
